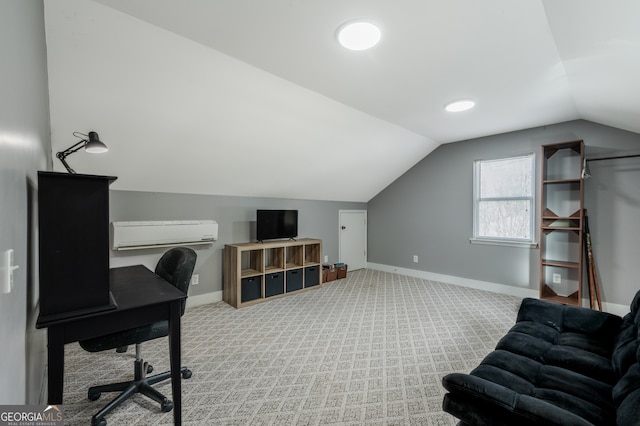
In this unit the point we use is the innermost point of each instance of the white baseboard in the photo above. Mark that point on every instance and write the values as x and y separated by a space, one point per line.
615 308
462 282
204 299
612 308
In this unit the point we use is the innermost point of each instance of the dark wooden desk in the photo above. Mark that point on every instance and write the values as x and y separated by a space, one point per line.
141 298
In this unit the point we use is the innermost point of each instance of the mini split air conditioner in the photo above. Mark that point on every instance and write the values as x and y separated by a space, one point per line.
151 234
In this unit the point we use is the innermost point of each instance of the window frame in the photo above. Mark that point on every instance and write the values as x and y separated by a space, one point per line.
503 241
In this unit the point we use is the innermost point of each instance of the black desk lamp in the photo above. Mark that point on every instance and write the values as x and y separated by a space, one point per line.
92 145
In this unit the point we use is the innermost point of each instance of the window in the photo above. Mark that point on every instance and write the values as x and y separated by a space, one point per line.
503 207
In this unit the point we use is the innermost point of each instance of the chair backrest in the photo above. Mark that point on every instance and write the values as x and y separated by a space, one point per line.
176 266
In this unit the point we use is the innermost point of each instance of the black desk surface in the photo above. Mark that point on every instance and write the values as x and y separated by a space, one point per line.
131 287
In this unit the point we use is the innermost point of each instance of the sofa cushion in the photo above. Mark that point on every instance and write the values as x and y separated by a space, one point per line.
477 401
626 363
626 346
629 410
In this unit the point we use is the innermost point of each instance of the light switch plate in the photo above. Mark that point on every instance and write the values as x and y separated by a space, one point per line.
7 271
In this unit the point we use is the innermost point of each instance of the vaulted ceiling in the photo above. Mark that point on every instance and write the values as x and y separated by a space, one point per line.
257 98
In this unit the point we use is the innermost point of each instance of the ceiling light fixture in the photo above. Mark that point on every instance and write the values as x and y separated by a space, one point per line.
461 105
358 35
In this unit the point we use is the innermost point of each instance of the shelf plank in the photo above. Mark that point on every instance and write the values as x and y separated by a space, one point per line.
558 181
560 263
561 228
549 294
249 273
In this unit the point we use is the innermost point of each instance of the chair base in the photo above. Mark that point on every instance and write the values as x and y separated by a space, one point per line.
141 384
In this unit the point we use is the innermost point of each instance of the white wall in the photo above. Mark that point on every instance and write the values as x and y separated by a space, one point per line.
24 149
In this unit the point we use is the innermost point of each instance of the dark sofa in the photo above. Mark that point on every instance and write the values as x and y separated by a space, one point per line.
558 365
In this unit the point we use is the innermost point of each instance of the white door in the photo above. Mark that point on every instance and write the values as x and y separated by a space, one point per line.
352 248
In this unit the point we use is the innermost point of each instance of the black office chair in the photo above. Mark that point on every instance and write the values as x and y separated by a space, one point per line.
175 266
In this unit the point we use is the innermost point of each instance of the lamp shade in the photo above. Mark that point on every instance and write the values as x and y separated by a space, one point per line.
94 145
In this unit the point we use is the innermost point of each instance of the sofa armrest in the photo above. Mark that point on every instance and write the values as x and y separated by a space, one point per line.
480 396
481 389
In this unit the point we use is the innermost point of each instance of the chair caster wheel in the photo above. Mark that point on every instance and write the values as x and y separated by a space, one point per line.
186 374
166 406
93 396
101 422
149 368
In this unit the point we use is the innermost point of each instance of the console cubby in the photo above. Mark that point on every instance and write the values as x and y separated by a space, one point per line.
294 257
312 254
274 259
251 263
256 272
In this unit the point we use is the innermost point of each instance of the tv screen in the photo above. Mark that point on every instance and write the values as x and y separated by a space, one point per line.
275 224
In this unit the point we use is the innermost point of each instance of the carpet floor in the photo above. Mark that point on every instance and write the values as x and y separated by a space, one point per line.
368 349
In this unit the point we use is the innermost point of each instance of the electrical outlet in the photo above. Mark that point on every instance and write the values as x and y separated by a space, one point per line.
195 279
557 279
326 259
415 258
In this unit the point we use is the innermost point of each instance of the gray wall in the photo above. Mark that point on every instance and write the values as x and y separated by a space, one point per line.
428 211
25 147
236 224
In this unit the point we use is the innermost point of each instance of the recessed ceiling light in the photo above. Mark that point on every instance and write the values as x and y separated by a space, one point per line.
359 35
461 105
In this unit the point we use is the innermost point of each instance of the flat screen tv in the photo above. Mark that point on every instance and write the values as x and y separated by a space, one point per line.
276 224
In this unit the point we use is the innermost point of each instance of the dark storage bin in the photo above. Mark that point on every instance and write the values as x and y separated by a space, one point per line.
273 284
311 277
294 280
250 289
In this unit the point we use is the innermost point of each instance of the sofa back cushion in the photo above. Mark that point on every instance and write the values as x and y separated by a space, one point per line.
626 364
626 346
627 340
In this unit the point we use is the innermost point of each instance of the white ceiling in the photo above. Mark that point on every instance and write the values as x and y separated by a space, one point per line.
257 98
